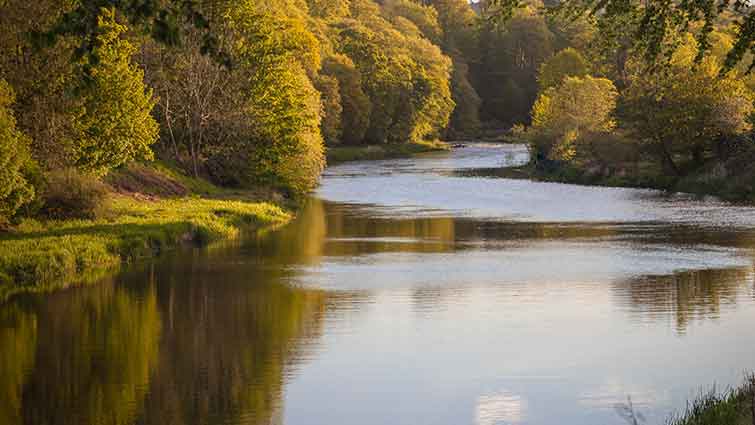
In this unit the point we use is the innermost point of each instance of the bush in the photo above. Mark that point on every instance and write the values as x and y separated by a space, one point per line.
70 194
564 115
15 190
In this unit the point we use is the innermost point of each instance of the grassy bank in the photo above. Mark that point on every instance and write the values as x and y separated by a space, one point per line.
729 186
733 407
372 152
38 255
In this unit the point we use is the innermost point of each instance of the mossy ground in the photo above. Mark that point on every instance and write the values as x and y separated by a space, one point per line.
39 255
372 152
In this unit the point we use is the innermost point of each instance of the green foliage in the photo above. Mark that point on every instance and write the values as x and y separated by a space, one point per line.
656 24
242 96
68 194
328 8
563 115
424 17
566 63
459 24
285 148
41 78
332 109
355 105
164 21
15 190
460 41
47 253
687 112
406 77
113 124
510 63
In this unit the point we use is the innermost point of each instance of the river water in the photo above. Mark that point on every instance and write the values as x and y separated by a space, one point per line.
412 291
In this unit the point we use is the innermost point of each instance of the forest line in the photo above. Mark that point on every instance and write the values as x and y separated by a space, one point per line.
249 93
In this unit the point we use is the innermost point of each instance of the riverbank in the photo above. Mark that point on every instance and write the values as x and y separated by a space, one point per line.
716 179
340 154
39 255
732 407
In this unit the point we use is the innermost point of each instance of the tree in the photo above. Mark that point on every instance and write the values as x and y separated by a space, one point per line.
458 23
113 123
687 113
15 190
355 105
282 146
424 17
658 23
460 41
465 119
510 62
563 116
566 63
330 126
405 76
198 103
164 21
41 78
328 8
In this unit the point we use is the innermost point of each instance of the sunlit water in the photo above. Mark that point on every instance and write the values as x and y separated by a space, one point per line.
405 293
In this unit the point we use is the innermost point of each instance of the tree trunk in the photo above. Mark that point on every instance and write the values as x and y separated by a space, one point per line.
669 166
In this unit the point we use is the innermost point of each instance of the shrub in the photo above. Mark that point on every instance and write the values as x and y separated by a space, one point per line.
564 115
14 155
70 194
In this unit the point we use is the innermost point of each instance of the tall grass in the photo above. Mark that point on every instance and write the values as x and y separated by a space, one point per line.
39 254
732 407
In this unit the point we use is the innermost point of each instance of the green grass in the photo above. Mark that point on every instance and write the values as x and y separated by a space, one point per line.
373 152
732 407
40 255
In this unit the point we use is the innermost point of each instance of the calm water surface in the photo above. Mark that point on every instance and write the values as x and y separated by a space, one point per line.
409 292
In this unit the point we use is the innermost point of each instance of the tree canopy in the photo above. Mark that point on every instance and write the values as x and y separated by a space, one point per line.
653 27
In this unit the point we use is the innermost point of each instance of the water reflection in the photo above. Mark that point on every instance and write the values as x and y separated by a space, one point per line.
18 338
79 359
502 408
353 315
182 347
228 345
686 296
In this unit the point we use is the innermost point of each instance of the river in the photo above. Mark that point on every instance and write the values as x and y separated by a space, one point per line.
409 291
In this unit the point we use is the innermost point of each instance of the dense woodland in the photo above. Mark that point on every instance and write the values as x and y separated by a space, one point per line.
249 93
